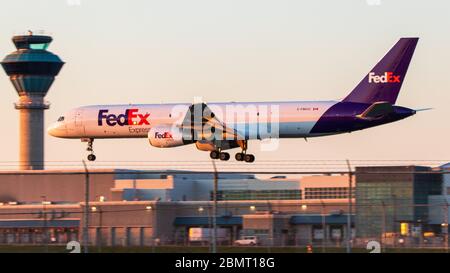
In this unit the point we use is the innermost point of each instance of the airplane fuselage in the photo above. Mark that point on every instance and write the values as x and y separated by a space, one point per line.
296 119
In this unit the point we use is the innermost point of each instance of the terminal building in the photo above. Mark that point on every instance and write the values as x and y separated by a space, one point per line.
439 204
394 202
129 207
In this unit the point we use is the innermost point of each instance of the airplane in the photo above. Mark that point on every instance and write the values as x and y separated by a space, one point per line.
217 127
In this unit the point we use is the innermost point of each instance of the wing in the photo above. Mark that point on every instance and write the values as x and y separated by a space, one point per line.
202 125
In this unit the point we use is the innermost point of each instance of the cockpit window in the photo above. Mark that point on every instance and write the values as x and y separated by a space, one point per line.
61 118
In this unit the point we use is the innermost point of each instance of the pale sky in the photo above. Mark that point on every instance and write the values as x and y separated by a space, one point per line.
144 51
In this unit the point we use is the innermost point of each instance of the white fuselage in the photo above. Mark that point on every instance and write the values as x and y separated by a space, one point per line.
284 119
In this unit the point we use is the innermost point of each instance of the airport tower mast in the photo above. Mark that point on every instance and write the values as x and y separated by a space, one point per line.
32 70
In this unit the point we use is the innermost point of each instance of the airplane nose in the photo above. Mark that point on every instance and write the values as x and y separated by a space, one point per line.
56 130
52 130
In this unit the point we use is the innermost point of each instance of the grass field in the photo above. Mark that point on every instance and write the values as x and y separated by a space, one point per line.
197 249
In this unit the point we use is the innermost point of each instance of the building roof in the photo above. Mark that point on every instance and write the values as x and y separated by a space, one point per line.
317 219
39 223
133 173
204 221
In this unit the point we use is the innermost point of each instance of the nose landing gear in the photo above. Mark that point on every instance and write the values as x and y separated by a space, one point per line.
91 157
90 148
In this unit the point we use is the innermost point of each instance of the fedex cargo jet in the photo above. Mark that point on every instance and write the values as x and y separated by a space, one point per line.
217 127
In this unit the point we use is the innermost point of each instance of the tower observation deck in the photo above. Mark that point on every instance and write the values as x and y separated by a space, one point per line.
32 70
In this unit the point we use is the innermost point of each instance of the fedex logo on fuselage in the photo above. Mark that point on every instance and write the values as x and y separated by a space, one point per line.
388 77
164 135
130 117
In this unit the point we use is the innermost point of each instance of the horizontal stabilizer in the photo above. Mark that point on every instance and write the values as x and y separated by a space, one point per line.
377 110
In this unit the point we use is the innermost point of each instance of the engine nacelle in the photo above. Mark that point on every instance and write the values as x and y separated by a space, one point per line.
165 136
209 146
204 145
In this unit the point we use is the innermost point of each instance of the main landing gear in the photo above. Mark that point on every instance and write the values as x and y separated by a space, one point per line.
90 148
242 156
219 155
249 158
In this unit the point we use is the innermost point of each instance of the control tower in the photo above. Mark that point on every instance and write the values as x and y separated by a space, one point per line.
32 70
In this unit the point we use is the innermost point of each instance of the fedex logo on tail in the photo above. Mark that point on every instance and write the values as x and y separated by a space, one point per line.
130 117
388 77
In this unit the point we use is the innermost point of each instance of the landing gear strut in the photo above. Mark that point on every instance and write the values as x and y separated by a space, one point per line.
243 156
90 148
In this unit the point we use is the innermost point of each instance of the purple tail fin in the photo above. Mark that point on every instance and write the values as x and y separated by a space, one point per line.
384 81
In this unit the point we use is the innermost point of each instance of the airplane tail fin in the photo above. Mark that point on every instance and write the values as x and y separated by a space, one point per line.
384 81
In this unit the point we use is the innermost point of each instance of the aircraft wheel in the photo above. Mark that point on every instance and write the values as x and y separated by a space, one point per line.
224 156
239 156
249 158
91 157
214 155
